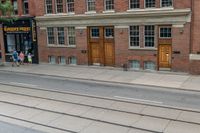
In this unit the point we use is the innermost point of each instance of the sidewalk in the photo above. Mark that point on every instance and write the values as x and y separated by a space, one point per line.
108 74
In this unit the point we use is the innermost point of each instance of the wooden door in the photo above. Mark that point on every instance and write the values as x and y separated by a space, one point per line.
101 46
109 46
109 54
95 53
165 55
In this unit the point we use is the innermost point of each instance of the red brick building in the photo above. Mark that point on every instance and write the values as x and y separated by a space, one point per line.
145 34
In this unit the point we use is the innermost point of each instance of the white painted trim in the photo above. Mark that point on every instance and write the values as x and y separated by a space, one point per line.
109 11
194 56
121 27
178 25
81 28
90 12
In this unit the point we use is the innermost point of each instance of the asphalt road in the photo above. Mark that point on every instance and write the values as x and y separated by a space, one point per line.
156 95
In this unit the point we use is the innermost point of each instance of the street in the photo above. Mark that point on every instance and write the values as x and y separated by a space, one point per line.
34 103
154 95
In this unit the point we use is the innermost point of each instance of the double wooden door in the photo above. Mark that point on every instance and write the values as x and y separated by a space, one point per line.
101 45
165 55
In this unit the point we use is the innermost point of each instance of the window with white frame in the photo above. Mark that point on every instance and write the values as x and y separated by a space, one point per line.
150 3
61 35
109 4
62 60
70 6
149 35
50 35
91 5
59 6
134 36
109 32
166 3
71 36
134 4
72 60
49 7
149 65
52 59
95 33
135 64
165 32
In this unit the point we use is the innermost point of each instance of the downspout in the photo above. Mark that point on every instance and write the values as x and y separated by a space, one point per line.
191 26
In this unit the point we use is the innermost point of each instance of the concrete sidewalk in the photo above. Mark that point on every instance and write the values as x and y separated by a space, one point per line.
108 74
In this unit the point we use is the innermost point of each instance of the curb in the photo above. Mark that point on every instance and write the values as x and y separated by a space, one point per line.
104 81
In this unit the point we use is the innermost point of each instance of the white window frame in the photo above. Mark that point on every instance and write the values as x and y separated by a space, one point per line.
154 37
165 37
91 32
57 7
148 7
167 6
109 9
58 36
149 62
50 59
133 8
48 36
46 7
60 58
134 68
130 37
68 43
67 8
88 6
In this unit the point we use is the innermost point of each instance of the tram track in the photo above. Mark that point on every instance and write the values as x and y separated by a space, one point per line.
14 93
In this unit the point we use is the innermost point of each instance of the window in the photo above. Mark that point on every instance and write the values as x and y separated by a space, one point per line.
61 36
91 5
109 4
135 64
94 32
59 6
109 32
25 7
134 4
52 59
134 36
149 65
49 8
150 3
50 33
72 60
10 43
70 6
165 32
166 3
71 36
15 7
149 35
62 60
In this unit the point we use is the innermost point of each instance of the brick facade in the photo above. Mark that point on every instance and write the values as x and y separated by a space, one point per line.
182 17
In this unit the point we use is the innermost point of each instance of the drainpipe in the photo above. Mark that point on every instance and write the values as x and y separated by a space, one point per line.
191 26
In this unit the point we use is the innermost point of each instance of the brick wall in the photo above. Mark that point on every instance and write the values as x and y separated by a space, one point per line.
181 43
78 51
195 49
